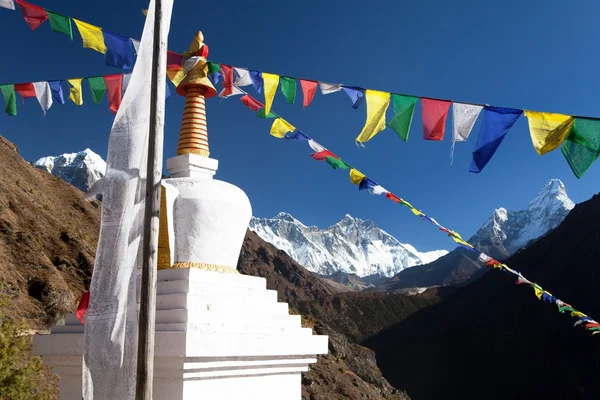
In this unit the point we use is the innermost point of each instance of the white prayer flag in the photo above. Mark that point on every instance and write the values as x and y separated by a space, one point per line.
316 146
43 95
464 116
236 91
111 328
328 88
243 77
10 4
136 45
378 189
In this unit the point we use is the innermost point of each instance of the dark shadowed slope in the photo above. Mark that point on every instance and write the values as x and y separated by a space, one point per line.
494 340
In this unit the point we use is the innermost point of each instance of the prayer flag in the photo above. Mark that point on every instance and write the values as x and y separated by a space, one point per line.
175 61
548 131
176 76
280 127
257 81
75 92
378 189
60 23
82 307
34 15
288 88
113 88
261 114
97 87
497 121
366 184
393 197
328 88
91 35
464 117
126 78
167 90
25 90
136 46
548 298
43 95
356 94
577 314
10 98
315 146
336 163
251 102
243 77
118 51
538 292
227 72
57 91
377 104
404 108
270 82
235 91
582 147
356 176
10 4
309 88
434 116
323 154
297 135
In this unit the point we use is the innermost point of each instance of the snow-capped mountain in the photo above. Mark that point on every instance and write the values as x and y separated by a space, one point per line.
508 231
81 169
351 245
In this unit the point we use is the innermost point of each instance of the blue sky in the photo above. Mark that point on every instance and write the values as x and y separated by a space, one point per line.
535 54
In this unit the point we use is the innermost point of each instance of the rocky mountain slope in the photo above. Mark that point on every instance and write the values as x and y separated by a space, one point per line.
499 335
81 169
500 236
351 245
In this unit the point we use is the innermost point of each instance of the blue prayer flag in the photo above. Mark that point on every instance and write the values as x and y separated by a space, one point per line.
356 94
257 80
119 51
497 121
297 135
215 77
167 91
57 91
366 184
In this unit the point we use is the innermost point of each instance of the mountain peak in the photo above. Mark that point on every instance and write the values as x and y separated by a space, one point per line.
553 192
81 169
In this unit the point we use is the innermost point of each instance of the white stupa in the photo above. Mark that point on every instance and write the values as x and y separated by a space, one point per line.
220 335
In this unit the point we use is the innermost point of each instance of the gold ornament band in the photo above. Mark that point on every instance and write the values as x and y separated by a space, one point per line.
206 267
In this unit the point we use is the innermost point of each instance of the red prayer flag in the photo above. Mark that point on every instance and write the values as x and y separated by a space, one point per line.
491 263
174 60
113 90
25 89
251 102
392 197
434 118
34 15
592 325
321 155
227 72
309 88
82 307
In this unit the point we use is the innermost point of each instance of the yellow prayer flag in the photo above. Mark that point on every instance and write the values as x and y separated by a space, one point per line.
578 314
75 92
145 12
377 105
538 292
176 76
356 176
270 82
92 36
280 127
548 130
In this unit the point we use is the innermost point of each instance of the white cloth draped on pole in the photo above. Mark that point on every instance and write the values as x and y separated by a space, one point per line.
110 354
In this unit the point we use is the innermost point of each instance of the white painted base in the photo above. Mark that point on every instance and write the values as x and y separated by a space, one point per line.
192 166
219 337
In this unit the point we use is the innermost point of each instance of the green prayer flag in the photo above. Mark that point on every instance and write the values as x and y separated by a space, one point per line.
10 98
261 114
337 163
288 88
97 87
594 329
60 23
563 309
582 147
404 108
213 67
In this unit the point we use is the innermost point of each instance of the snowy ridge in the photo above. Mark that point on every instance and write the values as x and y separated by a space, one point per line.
81 169
351 245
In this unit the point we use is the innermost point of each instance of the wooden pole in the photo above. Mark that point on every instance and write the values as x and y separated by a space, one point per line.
147 318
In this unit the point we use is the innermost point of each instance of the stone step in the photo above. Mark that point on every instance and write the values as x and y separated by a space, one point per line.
201 287
210 277
225 304
246 328
182 316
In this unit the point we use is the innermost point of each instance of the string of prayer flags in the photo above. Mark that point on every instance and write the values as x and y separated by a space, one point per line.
113 89
119 53
328 88
548 130
434 114
497 121
8 4
404 108
270 82
377 104
280 127
34 15
288 88
97 87
257 80
243 77
10 98
75 91
582 147
309 88
91 35
43 95
356 94
57 91
60 23
26 90
356 176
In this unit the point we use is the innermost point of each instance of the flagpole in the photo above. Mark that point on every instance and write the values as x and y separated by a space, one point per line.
147 317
